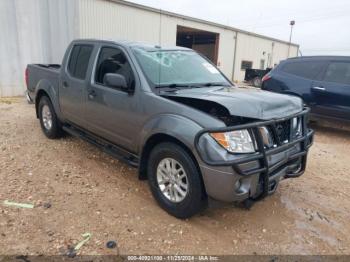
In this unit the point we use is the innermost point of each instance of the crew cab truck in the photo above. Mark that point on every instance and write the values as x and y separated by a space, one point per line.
174 115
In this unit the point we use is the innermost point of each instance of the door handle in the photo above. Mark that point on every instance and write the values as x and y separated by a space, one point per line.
65 84
320 88
92 94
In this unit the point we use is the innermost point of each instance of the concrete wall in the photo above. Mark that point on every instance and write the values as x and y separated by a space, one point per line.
32 31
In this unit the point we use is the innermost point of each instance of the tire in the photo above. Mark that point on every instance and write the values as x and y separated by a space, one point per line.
257 82
179 206
53 130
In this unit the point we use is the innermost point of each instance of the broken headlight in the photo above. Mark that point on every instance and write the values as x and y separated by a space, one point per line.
238 141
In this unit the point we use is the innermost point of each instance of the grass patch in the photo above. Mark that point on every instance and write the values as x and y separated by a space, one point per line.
10 100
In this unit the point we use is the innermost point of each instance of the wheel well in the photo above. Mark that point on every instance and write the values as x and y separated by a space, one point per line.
157 139
37 100
151 143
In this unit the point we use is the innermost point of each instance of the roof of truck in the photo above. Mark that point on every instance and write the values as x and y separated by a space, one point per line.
142 45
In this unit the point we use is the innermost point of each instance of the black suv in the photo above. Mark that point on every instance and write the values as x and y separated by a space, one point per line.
323 82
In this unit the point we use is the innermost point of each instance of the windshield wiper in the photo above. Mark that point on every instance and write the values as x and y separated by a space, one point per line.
214 84
199 85
175 85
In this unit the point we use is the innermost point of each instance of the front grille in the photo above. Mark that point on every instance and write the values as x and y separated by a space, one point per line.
274 135
283 131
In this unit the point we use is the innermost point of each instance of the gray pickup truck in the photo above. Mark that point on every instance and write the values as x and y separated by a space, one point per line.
171 113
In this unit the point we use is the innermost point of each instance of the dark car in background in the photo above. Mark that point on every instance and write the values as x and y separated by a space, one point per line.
323 82
254 76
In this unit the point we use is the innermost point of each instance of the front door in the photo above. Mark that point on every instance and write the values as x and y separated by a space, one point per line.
332 94
111 112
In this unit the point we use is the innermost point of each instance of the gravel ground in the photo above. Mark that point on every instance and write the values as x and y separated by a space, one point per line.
76 189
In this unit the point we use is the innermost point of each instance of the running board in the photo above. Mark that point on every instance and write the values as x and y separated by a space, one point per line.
104 145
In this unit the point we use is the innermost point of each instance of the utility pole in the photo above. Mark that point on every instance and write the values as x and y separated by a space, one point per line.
292 23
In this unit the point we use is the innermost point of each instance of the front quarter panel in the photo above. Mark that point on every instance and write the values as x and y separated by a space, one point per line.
173 125
164 116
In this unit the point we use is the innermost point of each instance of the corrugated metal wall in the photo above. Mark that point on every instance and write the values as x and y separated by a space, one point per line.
255 49
38 31
226 39
109 20
32 31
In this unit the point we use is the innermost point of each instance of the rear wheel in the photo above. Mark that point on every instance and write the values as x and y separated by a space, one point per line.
175 181
49 122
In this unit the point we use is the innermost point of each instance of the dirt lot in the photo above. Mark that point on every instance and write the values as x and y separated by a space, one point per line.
90 191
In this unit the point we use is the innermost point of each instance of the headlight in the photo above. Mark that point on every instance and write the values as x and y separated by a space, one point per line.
235 141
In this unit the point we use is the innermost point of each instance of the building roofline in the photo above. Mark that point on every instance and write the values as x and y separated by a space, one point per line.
160 11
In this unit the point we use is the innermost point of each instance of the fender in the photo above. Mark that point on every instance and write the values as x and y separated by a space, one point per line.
46 86
177 126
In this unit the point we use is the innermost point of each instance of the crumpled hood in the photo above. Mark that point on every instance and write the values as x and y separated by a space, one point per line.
252 103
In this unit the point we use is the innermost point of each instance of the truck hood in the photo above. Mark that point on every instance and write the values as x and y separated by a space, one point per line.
251 103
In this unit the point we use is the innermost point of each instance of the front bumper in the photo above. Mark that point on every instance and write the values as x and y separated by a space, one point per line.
235 177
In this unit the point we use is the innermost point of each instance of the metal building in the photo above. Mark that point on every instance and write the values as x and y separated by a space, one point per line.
38 31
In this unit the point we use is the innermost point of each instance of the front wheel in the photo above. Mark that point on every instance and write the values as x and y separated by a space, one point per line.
175 181
49 122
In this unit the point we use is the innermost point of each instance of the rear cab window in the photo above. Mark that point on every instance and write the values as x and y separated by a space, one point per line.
79 60
305 69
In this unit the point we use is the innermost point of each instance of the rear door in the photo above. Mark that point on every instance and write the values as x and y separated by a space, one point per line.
112 113
332 94
73 82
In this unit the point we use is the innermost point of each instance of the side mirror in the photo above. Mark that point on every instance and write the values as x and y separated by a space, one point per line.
116 81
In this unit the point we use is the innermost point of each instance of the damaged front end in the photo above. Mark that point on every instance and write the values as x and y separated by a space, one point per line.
213 109
280 151
260 145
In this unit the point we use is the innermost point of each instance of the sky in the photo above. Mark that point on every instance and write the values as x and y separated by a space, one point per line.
322 27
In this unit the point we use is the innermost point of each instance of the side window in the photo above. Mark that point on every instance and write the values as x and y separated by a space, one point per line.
309 70
338 72
246 65
113 60
79 60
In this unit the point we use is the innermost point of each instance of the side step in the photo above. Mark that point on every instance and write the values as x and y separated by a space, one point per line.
107 147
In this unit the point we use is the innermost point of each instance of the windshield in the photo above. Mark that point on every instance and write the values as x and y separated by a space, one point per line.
177 67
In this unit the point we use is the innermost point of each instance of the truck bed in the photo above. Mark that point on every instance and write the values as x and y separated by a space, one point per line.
41 72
